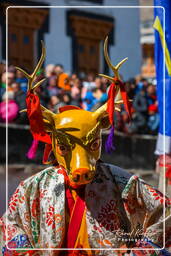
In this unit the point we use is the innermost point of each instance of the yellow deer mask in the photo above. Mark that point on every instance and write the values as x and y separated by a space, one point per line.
75 133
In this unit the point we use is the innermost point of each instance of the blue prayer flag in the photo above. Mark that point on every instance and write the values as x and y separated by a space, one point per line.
162 25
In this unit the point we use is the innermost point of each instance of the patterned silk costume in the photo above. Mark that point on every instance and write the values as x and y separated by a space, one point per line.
81 203
116 203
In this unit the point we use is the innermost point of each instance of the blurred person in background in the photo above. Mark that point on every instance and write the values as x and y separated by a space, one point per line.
22 80
62 78
98 82
139 117
76 91
153 115
20 99
89 82
58 69
48 73
88 101
2 83
12 108
73 77
67 99
56 101
153 119
131 88
86 93
151 94
100 98
105 83
10 76
121 120
142 84
52 87
2 67
49 70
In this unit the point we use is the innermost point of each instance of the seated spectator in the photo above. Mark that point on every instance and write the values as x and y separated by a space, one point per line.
142 84
56 101
67 99
2 85
74 77
19 95
20 99
2 67
131 88
153 119
139 117
59 89
53 90
88 101
10 76
58 69
49 70
98 82
100 98
22 80
62 78
11 106
76 92
105 83
151 94
89 83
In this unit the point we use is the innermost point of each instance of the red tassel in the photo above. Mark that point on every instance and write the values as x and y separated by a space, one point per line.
111 99
110 102
36 119
125 98
31 154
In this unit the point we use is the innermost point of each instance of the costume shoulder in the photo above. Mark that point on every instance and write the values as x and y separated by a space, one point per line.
119 175
36 203
42 175
144 206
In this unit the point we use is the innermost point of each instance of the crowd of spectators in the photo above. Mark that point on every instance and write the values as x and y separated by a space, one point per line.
60 89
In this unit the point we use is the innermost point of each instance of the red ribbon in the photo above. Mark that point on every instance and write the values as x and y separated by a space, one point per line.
76 211
111 99
110 102
36 119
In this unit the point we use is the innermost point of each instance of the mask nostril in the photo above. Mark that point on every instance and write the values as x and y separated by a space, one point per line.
86 176
76 178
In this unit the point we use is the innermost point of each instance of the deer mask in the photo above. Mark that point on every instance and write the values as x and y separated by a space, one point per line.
75 134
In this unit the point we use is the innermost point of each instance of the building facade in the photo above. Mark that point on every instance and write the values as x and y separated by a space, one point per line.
147 38
73 32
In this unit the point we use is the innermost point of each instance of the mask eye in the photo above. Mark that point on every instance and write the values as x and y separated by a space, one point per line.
95 145
62 149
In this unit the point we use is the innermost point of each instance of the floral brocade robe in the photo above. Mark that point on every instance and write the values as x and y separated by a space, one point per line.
121 211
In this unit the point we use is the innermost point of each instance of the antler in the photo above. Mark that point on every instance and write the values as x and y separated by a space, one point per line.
32 77
47 114
116 68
